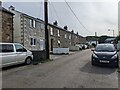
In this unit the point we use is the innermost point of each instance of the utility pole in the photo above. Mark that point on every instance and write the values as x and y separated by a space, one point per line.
113 33
96 37
46 28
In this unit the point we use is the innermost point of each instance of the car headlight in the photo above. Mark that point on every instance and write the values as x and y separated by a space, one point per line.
95 56
114 57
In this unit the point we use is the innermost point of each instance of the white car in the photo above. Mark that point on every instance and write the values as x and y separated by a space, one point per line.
14 53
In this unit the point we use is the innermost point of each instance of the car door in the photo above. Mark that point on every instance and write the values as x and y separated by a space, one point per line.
21 53
7 54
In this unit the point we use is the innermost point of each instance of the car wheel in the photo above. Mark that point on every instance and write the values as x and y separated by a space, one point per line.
28 61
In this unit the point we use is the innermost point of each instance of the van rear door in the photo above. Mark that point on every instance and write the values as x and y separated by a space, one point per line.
7 54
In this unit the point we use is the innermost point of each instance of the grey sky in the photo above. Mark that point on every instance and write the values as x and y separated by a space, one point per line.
95 16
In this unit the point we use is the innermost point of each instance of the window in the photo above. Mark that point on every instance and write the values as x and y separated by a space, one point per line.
42 44
51 31
6 48
58 43
42 26
69 36
32 41
58 32
32 23
65 35
76 37
19 48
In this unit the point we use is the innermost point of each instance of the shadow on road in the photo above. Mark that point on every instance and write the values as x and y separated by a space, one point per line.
88 68
119 81
13 66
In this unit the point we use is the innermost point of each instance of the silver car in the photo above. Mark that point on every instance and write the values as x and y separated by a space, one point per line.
14 53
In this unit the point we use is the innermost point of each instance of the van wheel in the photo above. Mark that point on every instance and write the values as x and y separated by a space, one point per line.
28 61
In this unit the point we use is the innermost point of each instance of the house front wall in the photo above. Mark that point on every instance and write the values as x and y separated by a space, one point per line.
33 37
29 31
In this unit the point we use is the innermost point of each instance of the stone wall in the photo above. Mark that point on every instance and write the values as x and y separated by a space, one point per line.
7 27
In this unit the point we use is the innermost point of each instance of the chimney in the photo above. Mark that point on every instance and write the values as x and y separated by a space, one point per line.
72 31
11 8
55 23
77 33
65 27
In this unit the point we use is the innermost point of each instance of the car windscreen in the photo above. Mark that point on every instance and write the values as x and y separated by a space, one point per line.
105 48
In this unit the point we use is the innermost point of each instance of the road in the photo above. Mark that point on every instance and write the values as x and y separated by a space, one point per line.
70 71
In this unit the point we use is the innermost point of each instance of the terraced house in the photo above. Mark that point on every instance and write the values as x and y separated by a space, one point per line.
62 37
6 25
30 32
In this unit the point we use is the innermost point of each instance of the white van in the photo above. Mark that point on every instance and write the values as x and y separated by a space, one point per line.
14 53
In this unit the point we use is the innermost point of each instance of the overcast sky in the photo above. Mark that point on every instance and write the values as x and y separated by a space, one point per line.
95 16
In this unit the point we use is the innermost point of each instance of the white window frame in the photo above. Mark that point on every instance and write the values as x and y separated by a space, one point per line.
51 31
42 44
65 35
59 43
58 32
32 23
42 26
70 36
33 41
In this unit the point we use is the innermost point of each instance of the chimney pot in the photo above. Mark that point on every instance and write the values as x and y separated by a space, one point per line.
65 27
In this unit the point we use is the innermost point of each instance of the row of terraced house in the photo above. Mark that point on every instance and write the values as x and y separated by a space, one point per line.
30 32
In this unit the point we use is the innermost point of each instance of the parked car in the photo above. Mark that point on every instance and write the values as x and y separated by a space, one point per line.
86 46
105 54
83 46
14 53
79 45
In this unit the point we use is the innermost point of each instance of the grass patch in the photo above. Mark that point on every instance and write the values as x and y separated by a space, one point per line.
41 61
35 62
47 60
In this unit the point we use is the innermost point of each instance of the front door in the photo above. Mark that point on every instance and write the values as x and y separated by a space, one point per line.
51 44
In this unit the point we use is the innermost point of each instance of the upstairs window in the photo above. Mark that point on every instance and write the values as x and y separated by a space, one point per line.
58 32
69 36
42 26
51 31
32 23
65 35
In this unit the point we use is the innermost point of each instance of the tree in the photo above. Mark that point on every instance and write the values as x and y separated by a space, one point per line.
118 37
102 39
